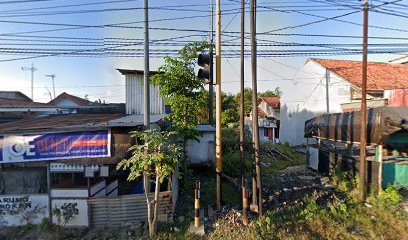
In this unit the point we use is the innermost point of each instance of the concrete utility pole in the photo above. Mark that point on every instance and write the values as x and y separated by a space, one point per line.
255 127
52 76
242 116
32 69
218 138
210 86
146 117
363 136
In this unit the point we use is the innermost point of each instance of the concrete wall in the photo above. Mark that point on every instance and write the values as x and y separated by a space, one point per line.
202 152
13 208
305 98
135 96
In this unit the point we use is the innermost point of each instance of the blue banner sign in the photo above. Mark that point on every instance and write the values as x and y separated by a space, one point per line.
54 146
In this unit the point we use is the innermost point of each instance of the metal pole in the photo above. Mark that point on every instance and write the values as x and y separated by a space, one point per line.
218 129
210 86
327 91
255 127
32 81
241 119
363 136
146 118
53 84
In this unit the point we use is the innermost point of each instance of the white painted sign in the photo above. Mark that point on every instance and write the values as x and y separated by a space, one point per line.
17 210
71 212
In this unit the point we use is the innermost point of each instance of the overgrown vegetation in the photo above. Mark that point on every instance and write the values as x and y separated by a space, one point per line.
339 218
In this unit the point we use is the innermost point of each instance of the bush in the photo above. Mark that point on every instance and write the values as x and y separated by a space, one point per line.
231 163
389 197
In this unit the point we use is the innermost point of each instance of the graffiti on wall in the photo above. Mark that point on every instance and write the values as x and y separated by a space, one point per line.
70 212
22 209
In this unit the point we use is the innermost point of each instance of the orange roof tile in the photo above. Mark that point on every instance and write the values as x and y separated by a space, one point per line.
77 100
380 76
271 101
261 113
12 102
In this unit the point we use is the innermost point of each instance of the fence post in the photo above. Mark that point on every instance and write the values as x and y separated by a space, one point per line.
197 204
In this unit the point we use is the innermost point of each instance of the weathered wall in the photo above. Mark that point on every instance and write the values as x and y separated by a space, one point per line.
135 96
118 211
306 98
13 208
202 152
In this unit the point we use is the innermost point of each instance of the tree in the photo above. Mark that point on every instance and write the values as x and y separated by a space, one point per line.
158 158
229 116
182 89
247 99
275 93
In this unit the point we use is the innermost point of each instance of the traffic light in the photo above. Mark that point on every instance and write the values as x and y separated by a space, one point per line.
204 74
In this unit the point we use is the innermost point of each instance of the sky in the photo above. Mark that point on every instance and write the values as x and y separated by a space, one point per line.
66 38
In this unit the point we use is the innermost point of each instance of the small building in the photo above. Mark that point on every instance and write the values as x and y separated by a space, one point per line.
203 151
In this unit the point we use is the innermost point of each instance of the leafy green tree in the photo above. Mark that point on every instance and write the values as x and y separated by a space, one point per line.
275 93
181 89
247 100
229 116
158 158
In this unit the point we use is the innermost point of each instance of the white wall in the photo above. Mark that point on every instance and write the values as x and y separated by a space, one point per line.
203 151
13 207
305 98
66 103
77 209
135 96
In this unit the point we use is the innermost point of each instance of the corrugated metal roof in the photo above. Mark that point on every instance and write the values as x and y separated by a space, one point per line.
134 71
55 122
134 120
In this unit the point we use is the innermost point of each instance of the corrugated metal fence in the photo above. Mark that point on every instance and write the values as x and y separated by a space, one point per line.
117 211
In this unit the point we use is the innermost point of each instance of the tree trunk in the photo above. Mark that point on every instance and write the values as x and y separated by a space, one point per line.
156 203
149 211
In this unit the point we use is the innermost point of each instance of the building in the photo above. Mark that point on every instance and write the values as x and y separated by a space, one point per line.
268 119
331 86
62 158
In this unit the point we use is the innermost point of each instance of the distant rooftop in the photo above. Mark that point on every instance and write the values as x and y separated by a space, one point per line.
380 76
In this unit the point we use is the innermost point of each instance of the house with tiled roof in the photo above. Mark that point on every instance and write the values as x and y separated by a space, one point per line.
68 100
268 118
330 86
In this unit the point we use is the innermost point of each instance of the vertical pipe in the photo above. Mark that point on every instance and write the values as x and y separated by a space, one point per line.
363 136
210 86
53 84
242 115
146 116
32 81
255 127
327 91
218 108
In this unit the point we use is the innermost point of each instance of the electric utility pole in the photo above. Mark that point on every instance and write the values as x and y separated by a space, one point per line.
146 117
218 128
210 86
32 69
255 127
363 136
52 76
241 118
